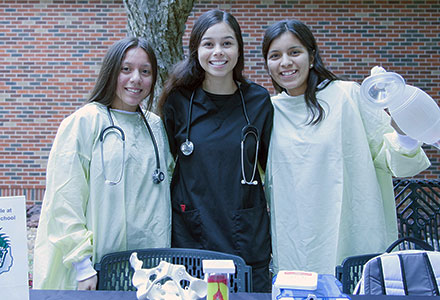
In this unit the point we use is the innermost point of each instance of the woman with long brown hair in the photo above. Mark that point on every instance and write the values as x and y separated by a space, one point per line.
218 126
107 188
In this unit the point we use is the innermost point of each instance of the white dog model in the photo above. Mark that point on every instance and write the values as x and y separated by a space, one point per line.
147 282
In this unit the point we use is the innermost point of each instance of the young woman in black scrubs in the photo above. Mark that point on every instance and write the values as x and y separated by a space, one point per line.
218 125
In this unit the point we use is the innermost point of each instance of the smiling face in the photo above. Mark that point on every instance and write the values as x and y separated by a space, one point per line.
134 80
218 52
288 62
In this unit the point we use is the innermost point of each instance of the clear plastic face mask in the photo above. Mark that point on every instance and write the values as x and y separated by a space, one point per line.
381 87
148 282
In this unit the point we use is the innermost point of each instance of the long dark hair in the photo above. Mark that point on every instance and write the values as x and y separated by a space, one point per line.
317 75
189 74
104 90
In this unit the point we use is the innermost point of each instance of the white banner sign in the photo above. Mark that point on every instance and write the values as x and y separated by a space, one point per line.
14 264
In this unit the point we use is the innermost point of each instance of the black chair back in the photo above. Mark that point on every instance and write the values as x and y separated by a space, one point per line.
115 272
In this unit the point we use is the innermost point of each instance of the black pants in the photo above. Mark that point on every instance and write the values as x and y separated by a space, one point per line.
261 279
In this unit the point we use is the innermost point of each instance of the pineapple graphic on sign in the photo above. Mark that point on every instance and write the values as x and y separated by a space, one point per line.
5 253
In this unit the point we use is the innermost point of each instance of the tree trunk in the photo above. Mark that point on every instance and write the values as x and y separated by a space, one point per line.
162 23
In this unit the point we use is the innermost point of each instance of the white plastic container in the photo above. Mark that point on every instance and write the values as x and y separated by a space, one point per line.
413 110
217 275
304 285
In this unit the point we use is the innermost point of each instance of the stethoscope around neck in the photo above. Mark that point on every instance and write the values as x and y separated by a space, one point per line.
187 147
158 175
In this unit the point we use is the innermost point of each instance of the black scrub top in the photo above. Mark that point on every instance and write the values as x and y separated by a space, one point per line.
211 208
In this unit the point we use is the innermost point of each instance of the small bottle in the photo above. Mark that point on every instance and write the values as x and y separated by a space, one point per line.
413 110
217 275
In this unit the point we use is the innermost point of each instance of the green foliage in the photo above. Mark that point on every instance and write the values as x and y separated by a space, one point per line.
4 241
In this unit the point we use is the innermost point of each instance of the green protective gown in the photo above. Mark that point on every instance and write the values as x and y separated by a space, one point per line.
330 185
82 216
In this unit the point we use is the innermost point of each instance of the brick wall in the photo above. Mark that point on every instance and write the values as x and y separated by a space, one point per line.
50 53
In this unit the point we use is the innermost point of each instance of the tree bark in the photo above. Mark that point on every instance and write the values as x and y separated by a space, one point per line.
162 23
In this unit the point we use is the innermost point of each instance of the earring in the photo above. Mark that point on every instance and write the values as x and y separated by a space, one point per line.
311 66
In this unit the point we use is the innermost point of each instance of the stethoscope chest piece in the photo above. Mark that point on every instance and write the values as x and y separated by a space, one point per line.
158 176
187 147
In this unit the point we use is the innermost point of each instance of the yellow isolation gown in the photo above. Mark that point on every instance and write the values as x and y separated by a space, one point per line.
82 216
329 185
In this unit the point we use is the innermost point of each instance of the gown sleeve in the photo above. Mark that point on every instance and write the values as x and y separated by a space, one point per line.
387 153
67 190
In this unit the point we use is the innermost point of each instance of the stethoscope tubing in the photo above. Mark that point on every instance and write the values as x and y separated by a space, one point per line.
101 139
158 175
249 129
187 147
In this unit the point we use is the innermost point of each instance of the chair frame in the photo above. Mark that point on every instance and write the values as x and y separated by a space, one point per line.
350 271
418 210
418 216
